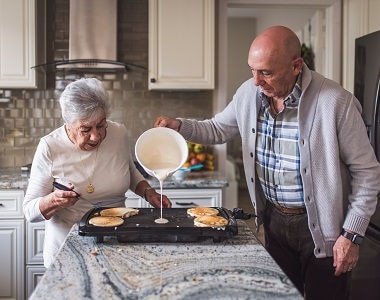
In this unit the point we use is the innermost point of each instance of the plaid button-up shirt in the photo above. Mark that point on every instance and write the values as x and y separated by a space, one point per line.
277 153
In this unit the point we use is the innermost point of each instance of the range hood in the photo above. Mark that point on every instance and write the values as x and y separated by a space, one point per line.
92 38
92 35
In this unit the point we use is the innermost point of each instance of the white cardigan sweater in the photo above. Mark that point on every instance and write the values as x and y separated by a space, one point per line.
340 173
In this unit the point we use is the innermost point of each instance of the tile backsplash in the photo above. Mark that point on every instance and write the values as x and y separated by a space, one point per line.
30 114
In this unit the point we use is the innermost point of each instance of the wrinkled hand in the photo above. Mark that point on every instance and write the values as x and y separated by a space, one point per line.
57 200
164 121
154 199
64 199
346 255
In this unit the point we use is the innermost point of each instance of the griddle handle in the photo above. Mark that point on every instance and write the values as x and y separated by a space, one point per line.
186 203
238 213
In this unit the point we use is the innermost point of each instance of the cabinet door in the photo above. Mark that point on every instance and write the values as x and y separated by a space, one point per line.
12 259
35 234
33 277
17 43
181 44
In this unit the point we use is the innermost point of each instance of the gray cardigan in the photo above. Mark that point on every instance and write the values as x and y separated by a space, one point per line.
340 172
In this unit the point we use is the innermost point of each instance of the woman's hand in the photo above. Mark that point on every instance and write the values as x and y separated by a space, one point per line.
164 121
154 199
57 200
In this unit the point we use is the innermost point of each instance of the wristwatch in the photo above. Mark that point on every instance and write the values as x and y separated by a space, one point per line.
353 237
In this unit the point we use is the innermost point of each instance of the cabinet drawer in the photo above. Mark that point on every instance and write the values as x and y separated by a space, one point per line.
193 202
11 204
195 197
182 198
35 234
132 200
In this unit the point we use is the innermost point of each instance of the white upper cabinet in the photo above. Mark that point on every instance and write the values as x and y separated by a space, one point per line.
17 43
181 44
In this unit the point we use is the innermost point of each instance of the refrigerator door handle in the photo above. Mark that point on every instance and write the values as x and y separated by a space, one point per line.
368 127
376 121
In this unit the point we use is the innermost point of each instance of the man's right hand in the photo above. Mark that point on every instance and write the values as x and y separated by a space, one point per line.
164 121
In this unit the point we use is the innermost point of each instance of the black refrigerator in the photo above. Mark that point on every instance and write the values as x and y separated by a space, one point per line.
366 276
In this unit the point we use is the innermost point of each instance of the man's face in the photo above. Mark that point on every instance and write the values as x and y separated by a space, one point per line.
275 74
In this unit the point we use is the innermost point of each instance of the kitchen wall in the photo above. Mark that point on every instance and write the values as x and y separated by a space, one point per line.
30 114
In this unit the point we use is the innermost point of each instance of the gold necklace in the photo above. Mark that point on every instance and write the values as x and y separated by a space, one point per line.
90 186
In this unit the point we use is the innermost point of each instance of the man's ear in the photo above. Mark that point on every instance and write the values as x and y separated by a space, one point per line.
297 65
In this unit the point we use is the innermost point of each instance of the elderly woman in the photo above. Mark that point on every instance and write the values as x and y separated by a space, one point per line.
90 155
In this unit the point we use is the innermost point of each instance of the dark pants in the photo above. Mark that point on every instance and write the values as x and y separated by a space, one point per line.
289 242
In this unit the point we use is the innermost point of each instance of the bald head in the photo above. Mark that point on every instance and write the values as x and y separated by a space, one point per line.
275 61
278 43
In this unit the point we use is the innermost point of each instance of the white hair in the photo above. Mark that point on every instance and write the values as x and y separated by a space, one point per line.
84 99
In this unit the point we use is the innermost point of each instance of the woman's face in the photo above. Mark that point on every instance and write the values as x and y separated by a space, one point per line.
87 135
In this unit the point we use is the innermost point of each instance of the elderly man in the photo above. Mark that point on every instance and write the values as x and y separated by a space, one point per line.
312 175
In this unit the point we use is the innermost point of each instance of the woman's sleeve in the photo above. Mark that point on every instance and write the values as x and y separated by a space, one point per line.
40 183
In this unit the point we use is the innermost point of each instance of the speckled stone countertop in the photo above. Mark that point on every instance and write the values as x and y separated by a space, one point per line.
14 178
237 268
196 179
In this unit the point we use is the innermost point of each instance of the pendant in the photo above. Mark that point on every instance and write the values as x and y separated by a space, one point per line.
90 188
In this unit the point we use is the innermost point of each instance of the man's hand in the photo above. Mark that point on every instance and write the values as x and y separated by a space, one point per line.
164 121
346 255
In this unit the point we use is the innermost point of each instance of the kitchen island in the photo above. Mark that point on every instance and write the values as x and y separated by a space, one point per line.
236 268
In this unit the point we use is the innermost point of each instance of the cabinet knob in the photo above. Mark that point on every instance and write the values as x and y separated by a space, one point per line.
1 204
153 80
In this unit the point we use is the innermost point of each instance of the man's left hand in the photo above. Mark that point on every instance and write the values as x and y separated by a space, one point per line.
346 255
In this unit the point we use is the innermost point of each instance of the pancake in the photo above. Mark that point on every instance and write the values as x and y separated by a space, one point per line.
124 212
102 221
202 211
210 221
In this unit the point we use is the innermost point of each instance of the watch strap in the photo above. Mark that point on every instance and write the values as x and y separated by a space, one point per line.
353 237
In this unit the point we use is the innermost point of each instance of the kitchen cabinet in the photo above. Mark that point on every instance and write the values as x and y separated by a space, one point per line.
211 197
19 276
33 277
35 233
17 43
181 44
12 244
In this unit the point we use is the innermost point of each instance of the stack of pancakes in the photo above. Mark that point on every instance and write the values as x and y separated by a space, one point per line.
207 217
114 216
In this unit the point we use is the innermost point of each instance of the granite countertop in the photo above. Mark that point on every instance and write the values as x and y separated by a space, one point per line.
196 179
237 268
14 178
